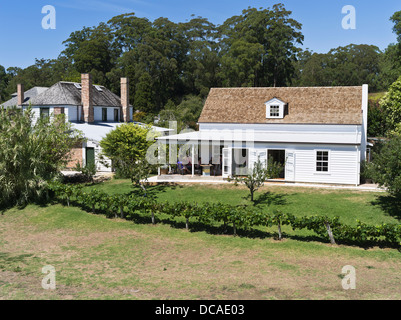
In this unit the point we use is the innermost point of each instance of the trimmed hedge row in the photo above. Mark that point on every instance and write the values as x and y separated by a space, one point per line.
243 217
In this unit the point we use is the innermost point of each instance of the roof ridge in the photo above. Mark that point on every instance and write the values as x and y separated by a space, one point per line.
320 87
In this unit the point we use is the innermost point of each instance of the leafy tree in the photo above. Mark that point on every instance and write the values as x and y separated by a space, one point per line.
129 30
271 29
139 174
31 154
258 175
352 65
93 55
187 112
396 19
242 64
376 120
143 100
391 106
390 61
75 40
44 73
386 166
126 146
4 78
202 63
390 66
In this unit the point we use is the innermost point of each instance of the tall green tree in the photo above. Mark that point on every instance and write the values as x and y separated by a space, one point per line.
4 79
391 106
352 65
271 29
396 19
144 96
201 65
128 31
390 66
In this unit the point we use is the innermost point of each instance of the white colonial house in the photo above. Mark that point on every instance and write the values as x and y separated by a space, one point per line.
92 109
319 134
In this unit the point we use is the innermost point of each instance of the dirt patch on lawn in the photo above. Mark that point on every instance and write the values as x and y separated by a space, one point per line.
146 264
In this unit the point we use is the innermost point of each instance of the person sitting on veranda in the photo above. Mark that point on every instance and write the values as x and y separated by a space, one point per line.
180 167
188 167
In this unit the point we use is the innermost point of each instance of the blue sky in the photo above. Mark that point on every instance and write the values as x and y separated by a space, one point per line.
23 39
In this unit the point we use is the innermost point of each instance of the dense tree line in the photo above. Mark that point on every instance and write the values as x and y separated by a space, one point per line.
172 66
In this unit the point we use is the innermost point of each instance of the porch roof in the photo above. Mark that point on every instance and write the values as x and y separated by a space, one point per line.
98 130
262 137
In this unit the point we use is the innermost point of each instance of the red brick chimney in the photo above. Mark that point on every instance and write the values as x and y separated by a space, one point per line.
86 97
125 99
20 94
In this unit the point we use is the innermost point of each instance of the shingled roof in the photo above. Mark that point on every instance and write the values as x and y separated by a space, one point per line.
68 93
307 105
28 95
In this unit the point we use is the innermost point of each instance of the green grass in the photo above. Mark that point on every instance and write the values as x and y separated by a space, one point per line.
369 207
100 258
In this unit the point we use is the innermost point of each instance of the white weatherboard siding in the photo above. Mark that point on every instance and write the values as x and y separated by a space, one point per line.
100 166
110 113
343 163
36 112
73 113
344 160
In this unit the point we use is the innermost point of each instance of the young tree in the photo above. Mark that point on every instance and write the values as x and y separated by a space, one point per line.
140 173
126 146
258 175
31 154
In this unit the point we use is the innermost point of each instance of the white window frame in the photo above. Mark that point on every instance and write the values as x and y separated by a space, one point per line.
44 112
328 161
274 103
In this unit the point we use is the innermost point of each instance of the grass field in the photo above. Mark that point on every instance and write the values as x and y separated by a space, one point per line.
99 258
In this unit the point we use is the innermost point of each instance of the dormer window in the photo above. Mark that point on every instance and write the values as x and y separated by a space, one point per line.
275 109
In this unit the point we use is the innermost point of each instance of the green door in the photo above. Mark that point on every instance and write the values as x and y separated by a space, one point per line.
90 156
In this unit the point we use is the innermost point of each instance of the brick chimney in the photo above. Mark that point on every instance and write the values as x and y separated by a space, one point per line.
125 99
20 94
86 97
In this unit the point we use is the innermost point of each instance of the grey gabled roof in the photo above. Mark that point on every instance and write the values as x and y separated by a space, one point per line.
28 95
68 93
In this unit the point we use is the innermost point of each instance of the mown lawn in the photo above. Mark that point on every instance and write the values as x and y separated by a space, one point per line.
100 258
369 207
